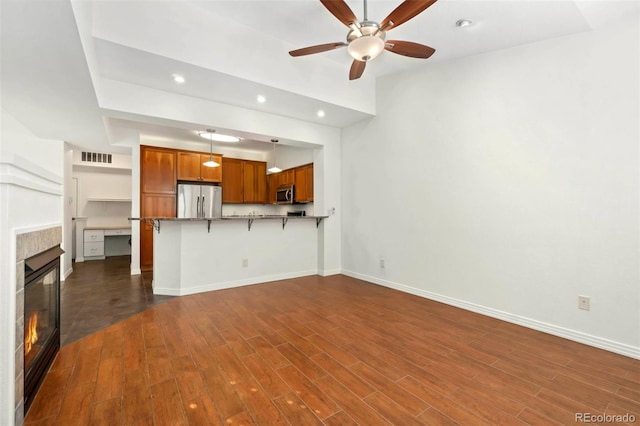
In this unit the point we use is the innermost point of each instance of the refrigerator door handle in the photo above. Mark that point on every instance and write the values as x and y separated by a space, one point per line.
198 206
202 207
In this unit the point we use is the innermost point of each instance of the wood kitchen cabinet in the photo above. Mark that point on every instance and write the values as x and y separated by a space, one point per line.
286 177
303 184
232 181
272 185
244 181
190 167
255 182
158 167
157 170
153 205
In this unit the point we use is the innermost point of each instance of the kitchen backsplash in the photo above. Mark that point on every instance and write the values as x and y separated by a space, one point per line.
264 209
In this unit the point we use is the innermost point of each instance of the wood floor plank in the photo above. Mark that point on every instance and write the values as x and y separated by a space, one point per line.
390 388
202 411
321 405
222 393
484 406
346 377
532 417
295 410
165 409
49 398
442 403
266 375
391 410
339 354
377 362
86 367
301 362
259 404
136 399
268 352
110 382
106 412
351 404
158 365
432 416
76 404
340 419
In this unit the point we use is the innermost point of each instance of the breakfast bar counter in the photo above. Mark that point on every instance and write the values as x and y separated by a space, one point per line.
199 255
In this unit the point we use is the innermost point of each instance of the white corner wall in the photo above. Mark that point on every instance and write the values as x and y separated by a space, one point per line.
31 197
508 184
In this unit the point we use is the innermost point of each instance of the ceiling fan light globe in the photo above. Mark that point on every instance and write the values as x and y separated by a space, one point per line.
210 163
365 48
274 169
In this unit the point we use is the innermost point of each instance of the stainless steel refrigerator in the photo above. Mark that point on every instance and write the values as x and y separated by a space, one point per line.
199 201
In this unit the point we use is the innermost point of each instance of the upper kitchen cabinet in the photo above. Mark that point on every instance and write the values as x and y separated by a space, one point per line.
255 182
157 170
232 181
244 181
287 177
303 184
190 167
272 186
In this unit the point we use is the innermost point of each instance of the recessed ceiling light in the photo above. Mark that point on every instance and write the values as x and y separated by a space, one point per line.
463 23
178 78
320 113
213 136
261 99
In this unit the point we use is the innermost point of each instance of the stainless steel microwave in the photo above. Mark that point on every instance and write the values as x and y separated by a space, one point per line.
284 194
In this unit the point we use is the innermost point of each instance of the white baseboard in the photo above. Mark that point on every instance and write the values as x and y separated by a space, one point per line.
186 289
79 259
136 272
576 336
66 274
329 272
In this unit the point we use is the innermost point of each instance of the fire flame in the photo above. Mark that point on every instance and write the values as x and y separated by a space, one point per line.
31 335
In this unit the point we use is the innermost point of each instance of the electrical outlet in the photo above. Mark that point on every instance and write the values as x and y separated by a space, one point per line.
245 263
381 263
584 302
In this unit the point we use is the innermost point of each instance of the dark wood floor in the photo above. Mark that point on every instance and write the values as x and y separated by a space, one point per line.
100 293
334 351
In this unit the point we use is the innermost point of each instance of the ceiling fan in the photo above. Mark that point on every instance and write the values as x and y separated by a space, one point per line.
366 39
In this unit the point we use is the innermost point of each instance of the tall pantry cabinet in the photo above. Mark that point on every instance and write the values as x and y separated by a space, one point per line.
157 194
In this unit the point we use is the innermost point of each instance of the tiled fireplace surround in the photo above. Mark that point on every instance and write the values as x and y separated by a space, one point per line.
27 244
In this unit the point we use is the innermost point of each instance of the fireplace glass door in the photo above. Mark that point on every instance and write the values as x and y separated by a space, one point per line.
41 303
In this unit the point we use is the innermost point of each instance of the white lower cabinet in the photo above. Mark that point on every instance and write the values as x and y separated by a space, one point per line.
93 243
94 249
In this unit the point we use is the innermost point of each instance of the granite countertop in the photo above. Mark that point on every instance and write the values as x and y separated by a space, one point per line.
232 217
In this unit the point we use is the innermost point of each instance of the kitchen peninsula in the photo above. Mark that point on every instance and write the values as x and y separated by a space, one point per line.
198 255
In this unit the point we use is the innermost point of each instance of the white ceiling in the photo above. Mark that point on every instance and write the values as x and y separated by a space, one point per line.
60 59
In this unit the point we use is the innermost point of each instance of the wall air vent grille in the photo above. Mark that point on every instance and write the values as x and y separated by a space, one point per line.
96 157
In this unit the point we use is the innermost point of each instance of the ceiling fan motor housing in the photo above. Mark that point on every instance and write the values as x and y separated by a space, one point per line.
366 41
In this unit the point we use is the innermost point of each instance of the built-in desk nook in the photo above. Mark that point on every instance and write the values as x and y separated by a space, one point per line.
98 242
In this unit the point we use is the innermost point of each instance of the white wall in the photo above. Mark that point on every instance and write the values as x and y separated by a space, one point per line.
507 183
31 196
94 182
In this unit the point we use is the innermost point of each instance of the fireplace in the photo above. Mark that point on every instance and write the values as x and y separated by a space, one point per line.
41 318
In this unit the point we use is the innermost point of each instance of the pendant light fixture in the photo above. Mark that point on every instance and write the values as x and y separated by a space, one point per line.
274 169
210 163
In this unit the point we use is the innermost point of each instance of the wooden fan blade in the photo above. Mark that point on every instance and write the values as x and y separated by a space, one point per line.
407 10
316 49
408 48
357 68
340 10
